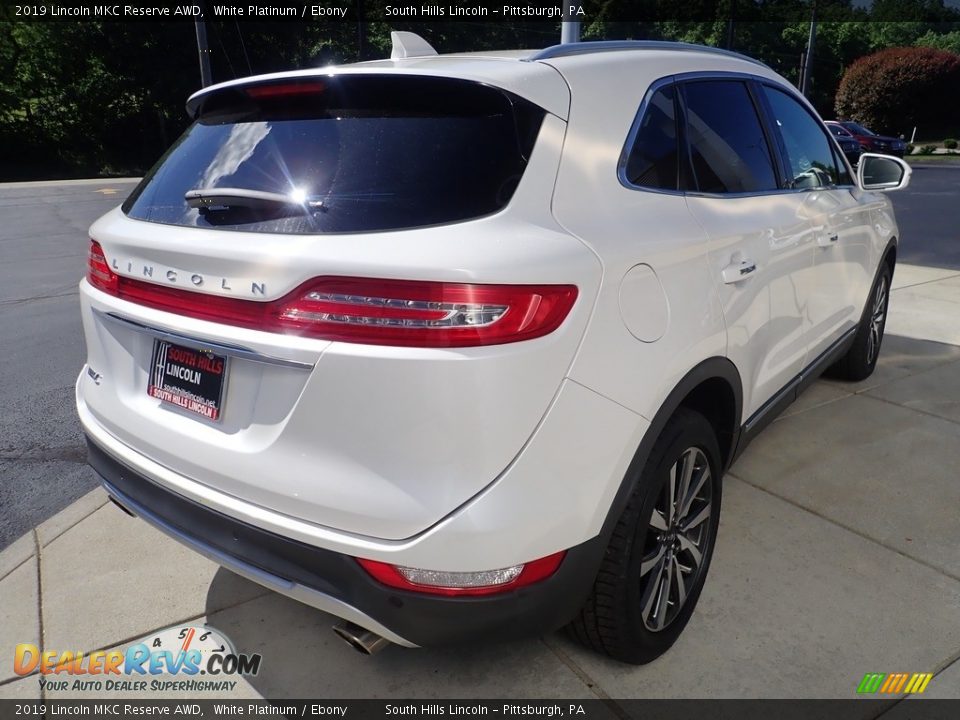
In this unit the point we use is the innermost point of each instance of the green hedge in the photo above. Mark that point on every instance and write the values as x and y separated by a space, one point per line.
896 89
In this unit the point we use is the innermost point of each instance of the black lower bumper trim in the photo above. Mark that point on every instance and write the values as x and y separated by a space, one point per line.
424 620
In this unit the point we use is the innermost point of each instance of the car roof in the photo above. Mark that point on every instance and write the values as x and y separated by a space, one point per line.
592 49
537 75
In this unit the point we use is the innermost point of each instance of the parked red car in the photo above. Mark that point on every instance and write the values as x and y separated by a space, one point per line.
869 140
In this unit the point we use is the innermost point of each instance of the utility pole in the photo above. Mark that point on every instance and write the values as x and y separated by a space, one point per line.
361 32
206 77
569 29
733 14
807 71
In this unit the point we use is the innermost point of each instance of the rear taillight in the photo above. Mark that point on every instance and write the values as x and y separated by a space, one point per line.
424 314
484 582
99 273
362 310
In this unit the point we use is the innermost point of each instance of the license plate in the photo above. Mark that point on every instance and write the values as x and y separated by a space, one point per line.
190 379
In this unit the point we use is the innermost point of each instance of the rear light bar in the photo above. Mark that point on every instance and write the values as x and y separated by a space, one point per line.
285 90
485 582
365 310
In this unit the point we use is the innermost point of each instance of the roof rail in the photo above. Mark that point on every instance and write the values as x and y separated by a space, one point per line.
598 46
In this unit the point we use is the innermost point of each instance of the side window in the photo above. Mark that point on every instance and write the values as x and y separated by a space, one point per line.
654 157
810 159
728 150
843 175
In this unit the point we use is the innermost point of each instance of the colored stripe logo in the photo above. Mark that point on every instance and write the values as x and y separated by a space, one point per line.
894 683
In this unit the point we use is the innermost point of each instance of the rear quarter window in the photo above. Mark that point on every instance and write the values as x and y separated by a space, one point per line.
654 158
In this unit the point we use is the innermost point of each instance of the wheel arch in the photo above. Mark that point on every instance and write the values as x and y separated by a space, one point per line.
712 388
890 254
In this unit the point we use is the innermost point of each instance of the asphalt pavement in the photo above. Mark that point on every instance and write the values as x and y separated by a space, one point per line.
928 213
43 251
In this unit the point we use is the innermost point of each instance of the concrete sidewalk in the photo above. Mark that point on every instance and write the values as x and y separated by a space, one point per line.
838 554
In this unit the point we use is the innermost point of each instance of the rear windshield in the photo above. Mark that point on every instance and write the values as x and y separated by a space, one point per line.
342 154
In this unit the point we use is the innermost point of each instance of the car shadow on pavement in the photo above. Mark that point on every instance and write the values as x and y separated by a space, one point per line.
302 657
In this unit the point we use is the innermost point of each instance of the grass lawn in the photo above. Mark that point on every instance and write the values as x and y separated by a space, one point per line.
940 159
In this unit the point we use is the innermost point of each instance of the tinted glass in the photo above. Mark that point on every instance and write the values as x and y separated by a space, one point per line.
654 157
728 150
810 159
858 129
838 131
354 154
843 174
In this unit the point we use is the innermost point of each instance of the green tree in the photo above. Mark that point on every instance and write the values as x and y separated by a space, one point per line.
896 89
942 41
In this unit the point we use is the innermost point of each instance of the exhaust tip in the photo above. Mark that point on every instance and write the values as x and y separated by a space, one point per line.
360 639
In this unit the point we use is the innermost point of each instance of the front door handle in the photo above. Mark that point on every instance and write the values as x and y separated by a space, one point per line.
738 271
828 240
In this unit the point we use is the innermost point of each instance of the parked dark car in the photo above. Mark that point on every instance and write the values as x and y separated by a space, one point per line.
869 140
848 144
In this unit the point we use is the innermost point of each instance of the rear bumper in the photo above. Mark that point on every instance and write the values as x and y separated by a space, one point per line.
335 583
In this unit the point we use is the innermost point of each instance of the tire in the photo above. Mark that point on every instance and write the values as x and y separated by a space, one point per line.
623 617
861 358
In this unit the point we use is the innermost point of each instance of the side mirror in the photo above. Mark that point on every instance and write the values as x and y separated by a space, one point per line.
882 173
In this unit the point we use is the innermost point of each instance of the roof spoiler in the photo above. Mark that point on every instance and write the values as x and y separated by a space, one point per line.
405 45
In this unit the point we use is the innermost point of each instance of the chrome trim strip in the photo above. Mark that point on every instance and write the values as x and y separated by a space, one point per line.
679 79
216 347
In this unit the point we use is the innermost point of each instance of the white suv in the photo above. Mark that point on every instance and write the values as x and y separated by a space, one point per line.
461 346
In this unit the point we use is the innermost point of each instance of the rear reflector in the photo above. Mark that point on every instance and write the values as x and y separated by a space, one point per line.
485 582
365 310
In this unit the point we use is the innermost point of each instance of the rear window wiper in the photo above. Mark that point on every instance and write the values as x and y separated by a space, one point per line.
210 198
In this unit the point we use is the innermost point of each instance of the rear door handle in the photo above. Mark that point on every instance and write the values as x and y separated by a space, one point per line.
738 271
828 240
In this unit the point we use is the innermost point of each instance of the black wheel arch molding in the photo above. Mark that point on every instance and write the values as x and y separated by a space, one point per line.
714 372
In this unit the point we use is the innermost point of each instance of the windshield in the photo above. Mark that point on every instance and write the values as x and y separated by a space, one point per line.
352 154
858 129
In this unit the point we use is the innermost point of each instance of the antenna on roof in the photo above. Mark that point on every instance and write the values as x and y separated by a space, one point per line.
408 44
